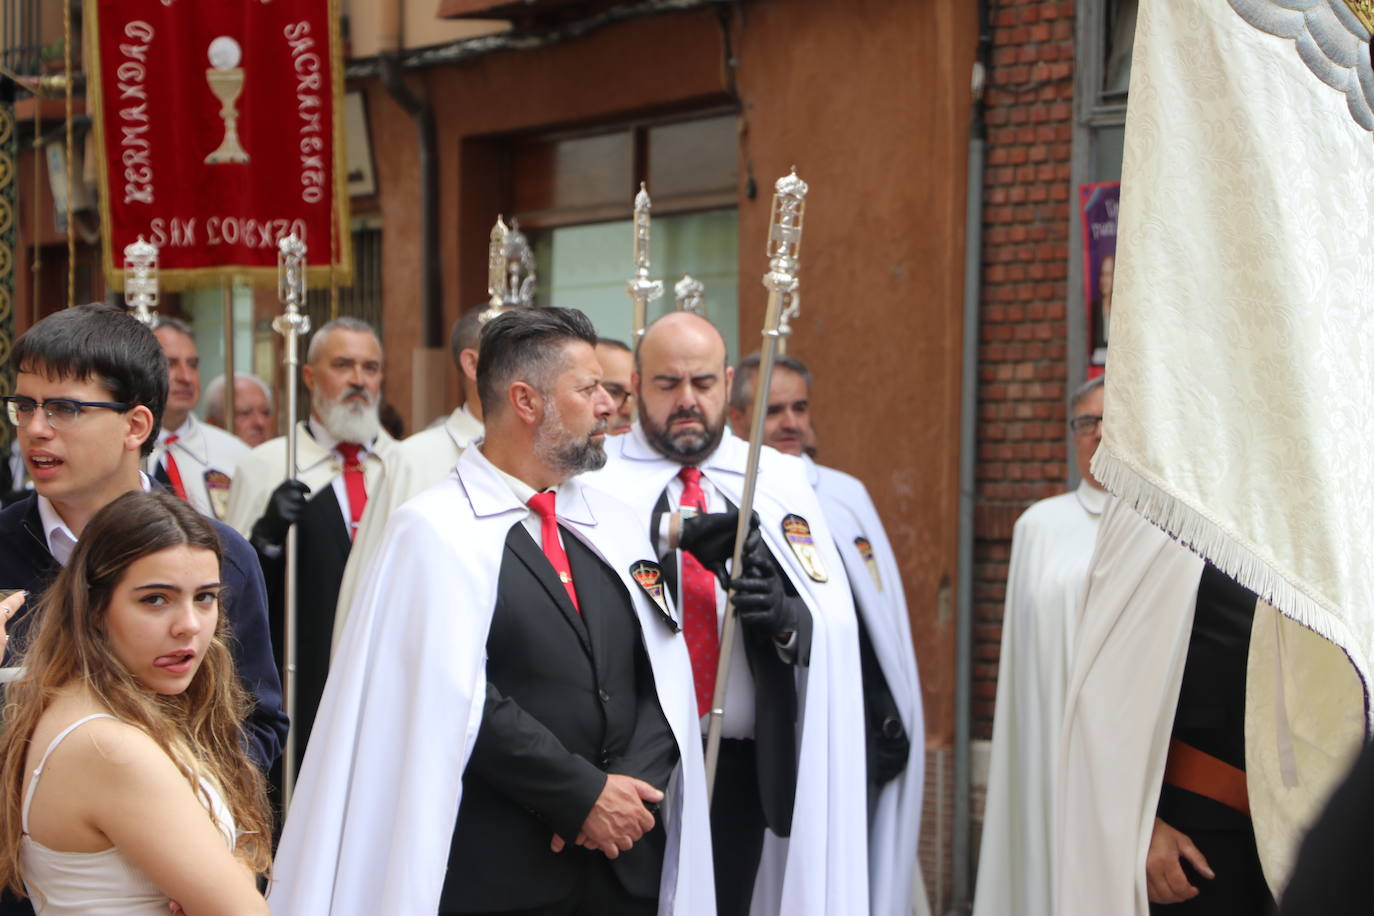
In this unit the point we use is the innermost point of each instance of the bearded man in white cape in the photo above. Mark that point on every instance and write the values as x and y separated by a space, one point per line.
789 822
894 727
508 726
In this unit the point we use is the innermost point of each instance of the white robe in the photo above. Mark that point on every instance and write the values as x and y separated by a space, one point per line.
200 449
1051 547
264 468
414 465
894 826
371 822
823 867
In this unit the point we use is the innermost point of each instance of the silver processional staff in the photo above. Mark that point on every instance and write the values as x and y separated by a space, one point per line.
784 246
292 324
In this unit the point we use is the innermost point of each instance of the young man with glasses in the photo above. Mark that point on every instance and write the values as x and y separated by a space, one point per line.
1051 547
91 384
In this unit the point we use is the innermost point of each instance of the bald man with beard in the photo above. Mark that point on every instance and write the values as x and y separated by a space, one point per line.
791 761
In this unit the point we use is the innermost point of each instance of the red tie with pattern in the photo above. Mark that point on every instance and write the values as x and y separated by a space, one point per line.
542 504
699 603
174 472
355 484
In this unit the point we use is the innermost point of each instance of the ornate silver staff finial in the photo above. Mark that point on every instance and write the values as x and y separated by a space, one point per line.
688 292
520 273
642 290
291 287
140 279
784 252
496 270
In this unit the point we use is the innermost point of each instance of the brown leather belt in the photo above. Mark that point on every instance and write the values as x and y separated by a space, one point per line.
1198 771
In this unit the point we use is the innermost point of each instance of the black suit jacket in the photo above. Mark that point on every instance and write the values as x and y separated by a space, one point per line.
775 695
322 546
570 698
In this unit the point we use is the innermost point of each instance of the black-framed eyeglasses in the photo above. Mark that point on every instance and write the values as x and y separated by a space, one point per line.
619 393
60 412
1085 423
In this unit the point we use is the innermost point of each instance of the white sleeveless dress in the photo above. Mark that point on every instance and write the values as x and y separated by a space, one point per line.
101 883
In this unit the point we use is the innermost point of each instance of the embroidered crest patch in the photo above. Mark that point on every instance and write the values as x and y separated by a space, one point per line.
217 485
649 575
866 551
797 531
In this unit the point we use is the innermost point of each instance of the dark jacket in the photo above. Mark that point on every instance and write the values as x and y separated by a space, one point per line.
570 698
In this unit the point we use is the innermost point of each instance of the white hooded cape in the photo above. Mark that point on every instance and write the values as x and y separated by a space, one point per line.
1051 547
823 867
371 822
895 826
412 466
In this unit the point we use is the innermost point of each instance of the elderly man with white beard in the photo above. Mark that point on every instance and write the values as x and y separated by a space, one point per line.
341 451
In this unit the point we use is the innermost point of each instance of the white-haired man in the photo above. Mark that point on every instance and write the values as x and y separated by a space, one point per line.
253 417
341 450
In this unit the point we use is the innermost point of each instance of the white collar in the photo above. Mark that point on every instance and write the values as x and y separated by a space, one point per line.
58 535
1092 499
492 491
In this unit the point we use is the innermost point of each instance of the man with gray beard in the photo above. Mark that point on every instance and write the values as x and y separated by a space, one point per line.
341 451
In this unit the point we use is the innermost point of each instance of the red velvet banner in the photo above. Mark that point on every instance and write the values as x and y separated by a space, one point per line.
219 128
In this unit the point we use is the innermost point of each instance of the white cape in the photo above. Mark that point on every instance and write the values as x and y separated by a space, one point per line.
371 822
895 824
412 466
823 867
1051 547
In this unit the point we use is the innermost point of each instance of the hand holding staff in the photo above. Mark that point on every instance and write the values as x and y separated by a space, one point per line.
784 245
291 324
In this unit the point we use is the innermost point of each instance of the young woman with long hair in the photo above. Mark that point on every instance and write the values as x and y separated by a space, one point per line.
125 780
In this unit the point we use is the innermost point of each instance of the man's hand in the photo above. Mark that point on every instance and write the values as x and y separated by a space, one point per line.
618 819
1164 877
711 537
284 507
757 594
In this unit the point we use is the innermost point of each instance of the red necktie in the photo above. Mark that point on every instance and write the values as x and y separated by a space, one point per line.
355 483
542 504
699 603
174 472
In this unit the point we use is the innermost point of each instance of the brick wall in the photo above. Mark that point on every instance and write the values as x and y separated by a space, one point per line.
1022 443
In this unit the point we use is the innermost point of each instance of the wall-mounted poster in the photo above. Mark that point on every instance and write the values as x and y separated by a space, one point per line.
1098 205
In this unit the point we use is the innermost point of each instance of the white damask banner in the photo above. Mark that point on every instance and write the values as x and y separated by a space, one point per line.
1240 393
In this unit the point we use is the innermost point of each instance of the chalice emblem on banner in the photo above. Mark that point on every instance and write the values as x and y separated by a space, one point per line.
225 77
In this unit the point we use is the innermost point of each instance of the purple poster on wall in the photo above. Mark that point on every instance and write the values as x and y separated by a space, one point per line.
1098 205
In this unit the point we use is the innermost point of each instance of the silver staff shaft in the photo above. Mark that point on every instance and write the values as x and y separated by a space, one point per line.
784 248
291 324
746 512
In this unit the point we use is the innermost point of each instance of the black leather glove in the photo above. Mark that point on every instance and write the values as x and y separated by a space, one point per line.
758 594
710 537
889 748
284 507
